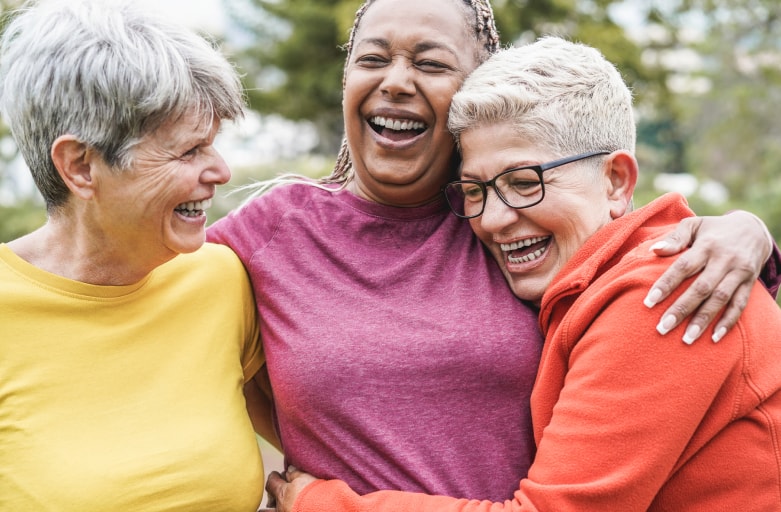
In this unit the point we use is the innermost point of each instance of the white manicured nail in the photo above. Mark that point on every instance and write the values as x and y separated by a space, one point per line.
665 325
719 334
653 297
692 332
658 245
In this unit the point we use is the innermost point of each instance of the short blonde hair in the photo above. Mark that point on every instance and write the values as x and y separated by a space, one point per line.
562 95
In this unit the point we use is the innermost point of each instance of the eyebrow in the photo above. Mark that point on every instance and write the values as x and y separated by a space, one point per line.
468 176
418 48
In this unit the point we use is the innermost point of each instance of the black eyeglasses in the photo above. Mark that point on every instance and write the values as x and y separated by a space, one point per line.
519 187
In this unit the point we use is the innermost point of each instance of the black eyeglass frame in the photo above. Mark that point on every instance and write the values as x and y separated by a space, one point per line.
538 169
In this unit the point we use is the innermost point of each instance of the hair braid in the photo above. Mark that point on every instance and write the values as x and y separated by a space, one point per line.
485 33
486 27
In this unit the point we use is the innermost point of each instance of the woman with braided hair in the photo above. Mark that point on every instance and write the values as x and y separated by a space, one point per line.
397 354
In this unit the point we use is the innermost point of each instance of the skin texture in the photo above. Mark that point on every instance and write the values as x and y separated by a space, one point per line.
404 71
393 82
121 224
725 272
577 203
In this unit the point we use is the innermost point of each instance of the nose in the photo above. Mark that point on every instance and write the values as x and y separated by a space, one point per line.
496 215
398 78
216 171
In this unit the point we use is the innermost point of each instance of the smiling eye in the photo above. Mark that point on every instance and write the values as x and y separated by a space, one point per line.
190 153
472 192
371 60
432 65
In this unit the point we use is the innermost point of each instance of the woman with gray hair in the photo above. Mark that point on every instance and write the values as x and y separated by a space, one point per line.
121 377
547 136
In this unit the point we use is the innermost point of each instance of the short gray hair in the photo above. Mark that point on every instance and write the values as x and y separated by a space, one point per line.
564 96
107 73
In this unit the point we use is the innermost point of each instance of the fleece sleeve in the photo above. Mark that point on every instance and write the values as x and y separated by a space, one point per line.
625 412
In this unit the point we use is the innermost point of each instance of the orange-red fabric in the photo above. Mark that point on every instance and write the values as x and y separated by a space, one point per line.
625 419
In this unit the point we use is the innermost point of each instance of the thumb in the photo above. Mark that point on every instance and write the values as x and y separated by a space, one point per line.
274 486
678 239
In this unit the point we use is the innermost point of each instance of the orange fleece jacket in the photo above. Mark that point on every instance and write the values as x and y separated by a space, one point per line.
624 419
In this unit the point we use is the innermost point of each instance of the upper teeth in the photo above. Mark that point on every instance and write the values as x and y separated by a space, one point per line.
195 205
522 243
397 124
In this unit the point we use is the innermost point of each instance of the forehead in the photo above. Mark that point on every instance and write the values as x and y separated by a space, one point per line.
437 22
182 130
492 147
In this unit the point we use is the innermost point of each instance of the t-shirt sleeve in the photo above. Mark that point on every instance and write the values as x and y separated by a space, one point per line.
249 228
252 355
771 273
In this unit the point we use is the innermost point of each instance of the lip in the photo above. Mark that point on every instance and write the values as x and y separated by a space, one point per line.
197 219
525 266
400 114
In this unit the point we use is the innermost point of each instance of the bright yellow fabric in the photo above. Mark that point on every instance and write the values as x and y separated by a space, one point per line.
128 398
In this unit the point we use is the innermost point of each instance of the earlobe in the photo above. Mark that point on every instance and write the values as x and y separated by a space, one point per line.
622 177
72 159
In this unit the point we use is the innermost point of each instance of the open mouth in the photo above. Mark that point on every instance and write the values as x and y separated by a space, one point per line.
397 129
193 208
524 251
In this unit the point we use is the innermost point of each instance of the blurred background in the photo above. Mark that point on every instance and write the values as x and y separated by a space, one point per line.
706 76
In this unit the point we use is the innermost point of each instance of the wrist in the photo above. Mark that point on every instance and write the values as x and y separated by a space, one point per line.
771 242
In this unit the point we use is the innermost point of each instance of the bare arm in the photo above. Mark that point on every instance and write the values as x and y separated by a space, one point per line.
258 397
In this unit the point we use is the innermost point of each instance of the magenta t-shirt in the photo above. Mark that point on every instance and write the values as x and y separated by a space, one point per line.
398 357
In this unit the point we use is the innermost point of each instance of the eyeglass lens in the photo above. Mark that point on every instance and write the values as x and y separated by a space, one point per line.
518 188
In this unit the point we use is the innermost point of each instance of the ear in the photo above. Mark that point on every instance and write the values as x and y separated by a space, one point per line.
621 173
73 160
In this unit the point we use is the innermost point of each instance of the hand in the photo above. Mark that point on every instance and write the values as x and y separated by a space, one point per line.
283 489
730 251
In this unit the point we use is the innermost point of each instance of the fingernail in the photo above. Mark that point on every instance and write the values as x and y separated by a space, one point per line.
665 325
658 245
720 332
692 333
291 468
653 297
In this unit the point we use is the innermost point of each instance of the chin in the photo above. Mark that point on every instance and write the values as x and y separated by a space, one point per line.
187 244
526 289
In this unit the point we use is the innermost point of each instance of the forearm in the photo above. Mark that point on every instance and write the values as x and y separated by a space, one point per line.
323 496
259 410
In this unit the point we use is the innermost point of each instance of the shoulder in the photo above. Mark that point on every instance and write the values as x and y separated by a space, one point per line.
256 219
212 264
284 196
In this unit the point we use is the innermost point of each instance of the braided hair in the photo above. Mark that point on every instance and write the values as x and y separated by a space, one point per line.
485 33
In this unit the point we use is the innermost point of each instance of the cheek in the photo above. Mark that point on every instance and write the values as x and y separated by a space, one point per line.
482 234
355 88
442 99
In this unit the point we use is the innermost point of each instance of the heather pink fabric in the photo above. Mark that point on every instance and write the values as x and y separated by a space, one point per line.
398 356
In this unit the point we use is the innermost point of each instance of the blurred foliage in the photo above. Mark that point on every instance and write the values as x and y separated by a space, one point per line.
706 75
20 219
299 43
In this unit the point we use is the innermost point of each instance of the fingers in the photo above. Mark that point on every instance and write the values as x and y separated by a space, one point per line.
274 486
728 253
284 488
733 311
684 267
704 303
678 239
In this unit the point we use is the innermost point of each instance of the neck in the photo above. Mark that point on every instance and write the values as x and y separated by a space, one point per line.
67 250
401 199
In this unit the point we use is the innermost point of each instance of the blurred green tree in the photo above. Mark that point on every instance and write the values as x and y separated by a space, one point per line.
20 212
294 65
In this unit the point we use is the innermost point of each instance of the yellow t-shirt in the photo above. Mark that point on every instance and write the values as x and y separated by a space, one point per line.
128 397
